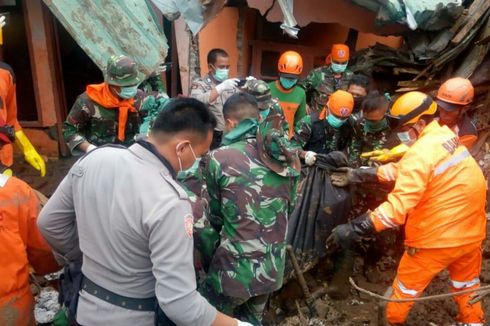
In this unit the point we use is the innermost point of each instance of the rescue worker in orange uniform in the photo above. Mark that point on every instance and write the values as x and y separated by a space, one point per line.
439 195
8 113
453 100
291 97
21 246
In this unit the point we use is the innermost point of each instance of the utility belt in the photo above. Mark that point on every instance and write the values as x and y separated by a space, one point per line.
73 281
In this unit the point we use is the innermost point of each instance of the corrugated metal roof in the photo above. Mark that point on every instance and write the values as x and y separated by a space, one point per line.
109 27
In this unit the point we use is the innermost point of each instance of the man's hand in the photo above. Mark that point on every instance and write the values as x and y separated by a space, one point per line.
342 177
310 158
227 85
345 235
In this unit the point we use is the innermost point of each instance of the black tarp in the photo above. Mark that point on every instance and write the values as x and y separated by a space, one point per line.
319 208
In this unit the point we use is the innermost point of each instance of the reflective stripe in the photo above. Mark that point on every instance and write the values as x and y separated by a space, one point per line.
406 291
451 162
3 179
467 284
383 218
388 171
470 324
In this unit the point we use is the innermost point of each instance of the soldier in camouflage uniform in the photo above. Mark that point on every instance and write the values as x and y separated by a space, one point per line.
267 105
370 132
214 88
314 135
109 112
250 183
323 81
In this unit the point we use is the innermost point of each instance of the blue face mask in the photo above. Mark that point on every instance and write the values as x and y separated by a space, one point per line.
335 122
339 68
375 126
221 74
128 92
287 83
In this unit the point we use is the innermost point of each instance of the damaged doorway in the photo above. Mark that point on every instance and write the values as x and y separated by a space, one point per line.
77 69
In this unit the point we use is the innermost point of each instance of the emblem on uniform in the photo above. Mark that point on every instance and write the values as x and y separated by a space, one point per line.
344 112
188 225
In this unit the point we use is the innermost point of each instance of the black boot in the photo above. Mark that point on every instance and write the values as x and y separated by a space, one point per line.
339 286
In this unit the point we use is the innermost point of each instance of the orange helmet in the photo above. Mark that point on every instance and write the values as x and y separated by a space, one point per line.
341 103
290 64
339 53
455 93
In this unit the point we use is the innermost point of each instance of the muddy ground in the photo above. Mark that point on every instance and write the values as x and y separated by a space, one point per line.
357 310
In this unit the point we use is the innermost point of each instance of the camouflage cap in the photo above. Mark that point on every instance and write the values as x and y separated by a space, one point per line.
122 71
260 90
274 150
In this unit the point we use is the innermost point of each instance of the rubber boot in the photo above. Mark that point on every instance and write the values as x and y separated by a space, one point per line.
339 286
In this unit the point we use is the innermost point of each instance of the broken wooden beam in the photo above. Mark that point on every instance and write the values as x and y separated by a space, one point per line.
477 10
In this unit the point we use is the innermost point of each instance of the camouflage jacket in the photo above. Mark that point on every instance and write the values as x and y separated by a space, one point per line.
363 141
250 206
154 83
312 134
320 83
206 238
89 121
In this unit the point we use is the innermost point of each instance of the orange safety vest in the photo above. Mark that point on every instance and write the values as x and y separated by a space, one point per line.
21 245
439 193
8 109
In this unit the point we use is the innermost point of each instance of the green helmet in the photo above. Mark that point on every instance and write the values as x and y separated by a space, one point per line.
260 90
274 148
122 71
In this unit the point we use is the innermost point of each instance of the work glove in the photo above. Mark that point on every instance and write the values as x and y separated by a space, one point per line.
227 85
310 158
345 235
385 155
30 154
393 154
344 176
242 323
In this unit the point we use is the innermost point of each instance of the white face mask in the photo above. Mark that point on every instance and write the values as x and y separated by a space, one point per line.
178 156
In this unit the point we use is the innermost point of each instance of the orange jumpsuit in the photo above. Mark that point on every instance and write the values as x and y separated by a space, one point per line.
439 196
21 245
8 109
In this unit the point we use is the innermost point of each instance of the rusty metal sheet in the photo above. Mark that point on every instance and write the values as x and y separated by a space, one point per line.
109 27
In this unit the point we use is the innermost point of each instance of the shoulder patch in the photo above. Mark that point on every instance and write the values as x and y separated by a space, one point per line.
189 225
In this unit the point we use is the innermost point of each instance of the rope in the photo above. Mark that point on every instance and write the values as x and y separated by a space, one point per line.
477 297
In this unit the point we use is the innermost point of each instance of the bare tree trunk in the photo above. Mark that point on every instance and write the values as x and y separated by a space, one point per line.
194 64
240 37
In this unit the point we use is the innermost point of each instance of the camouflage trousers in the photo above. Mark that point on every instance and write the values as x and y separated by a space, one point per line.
245 309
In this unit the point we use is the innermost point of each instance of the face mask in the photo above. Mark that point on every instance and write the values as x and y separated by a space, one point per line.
375 126
335 122
264 114
221 74
405 138
128 92
339 68
178 156
287 83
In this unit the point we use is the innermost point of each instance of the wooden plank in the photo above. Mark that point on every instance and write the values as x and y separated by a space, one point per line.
472 21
